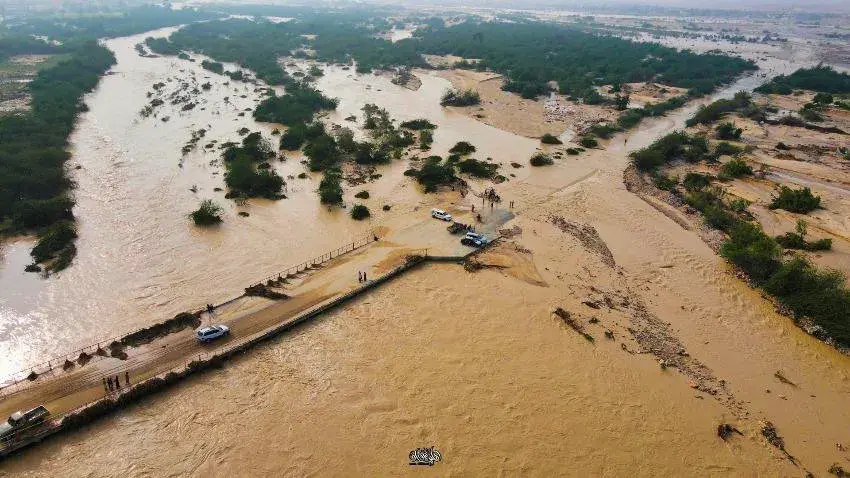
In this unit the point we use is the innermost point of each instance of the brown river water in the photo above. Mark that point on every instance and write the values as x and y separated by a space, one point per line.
473 364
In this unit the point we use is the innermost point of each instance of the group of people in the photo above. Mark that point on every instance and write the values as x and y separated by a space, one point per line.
110 384
361 277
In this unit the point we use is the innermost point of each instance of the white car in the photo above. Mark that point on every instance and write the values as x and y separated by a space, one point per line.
468 241
474 236
441 215
211 332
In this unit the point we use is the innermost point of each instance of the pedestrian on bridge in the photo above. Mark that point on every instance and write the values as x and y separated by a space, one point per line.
127 377
109 383
105 387
117 382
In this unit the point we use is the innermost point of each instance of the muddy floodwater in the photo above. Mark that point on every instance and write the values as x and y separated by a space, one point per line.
140 260
473 363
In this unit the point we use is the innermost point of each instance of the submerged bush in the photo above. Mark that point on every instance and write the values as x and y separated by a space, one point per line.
540 159
462 148
728 131
589 142
360 212
362 195
54 240
330 188
207 214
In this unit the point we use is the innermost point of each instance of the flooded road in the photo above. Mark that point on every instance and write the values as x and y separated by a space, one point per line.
473 364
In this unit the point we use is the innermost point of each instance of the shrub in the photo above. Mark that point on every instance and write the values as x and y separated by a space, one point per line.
360 212
540 159
728 131
462 148
819 295
207 214
726 149
603 130
330 188
573 151
550 139
426 139
696 181
418 124
589 142
664 183
797 239
362 195
823 99
294 137
739 205
736 168
55 239
434 174
752 250
479 169
647 159
801 201
460 98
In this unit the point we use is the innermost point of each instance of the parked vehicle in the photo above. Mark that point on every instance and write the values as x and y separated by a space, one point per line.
211 332
477 237
441 215
20 421
472 242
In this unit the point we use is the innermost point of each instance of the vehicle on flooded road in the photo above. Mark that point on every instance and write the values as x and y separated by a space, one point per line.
474 236
22 421
211 332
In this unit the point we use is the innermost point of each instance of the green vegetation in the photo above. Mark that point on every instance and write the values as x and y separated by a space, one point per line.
676 145
741 103
207 214
362 195
726 149
330 189
433 174
460 98
540 159
531 54
735 169
820 296
728 131
33 186
418 125
248 174
298 105
588 142
550 139
360 212
479 169
696 181
462 148
820 78
801 201
797 239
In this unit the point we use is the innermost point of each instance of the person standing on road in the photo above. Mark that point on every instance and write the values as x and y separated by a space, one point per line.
109 383
117 382
105 387
127 378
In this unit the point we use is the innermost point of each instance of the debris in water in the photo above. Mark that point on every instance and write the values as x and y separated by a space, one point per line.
725 431
779 375
772 435
568 319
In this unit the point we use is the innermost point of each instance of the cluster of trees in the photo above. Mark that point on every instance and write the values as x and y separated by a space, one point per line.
820 295
207 214
85 27
297 106
248 172
741 103
460 98
820 78
531 54
33 185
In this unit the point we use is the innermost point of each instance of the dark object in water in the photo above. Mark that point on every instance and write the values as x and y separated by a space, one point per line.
725 431
262 290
